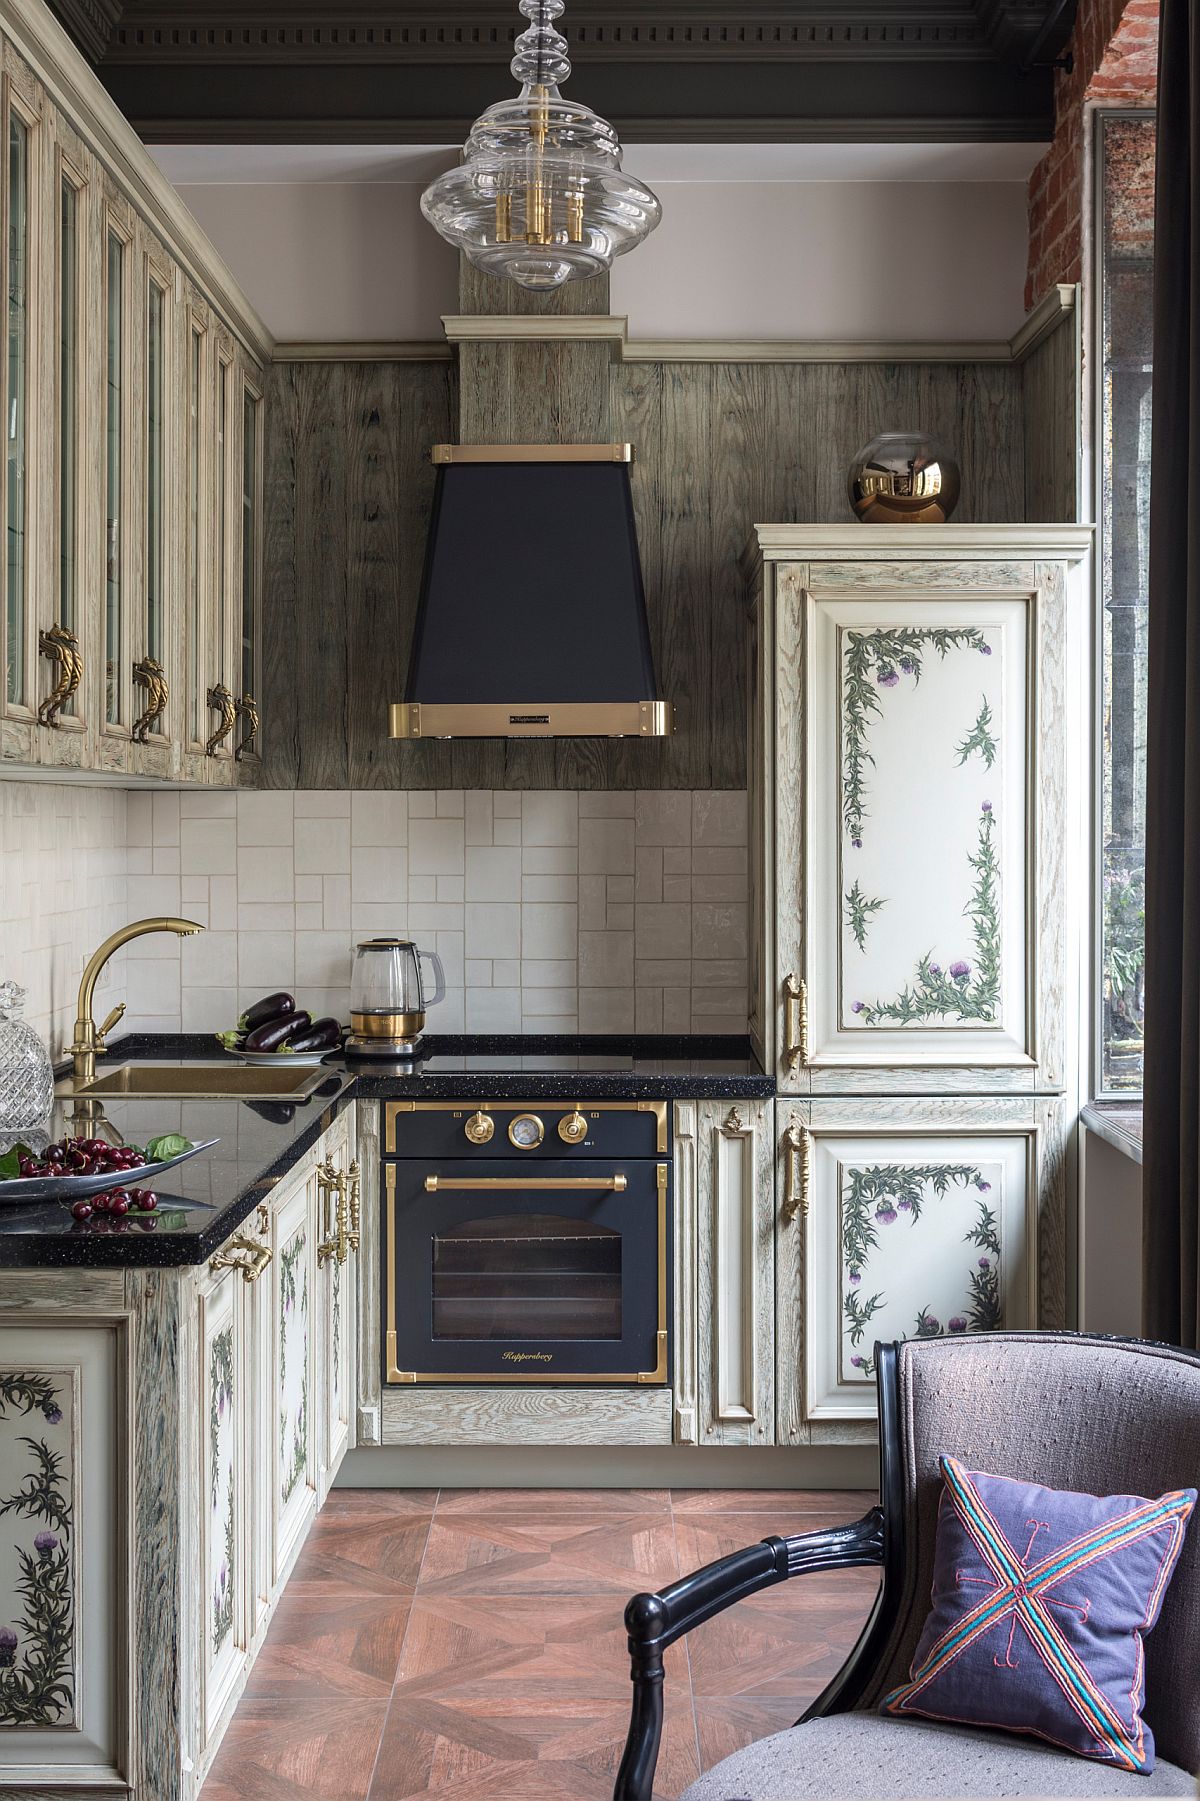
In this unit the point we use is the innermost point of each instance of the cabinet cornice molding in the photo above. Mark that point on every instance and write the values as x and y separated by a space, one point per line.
869 543
71 84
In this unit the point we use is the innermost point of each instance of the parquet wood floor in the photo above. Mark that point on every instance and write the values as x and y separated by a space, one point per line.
467 1644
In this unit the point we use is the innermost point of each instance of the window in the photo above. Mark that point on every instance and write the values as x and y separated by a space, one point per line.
114 486
18 373
1125 251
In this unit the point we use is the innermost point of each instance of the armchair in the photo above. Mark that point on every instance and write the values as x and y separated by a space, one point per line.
1101 1415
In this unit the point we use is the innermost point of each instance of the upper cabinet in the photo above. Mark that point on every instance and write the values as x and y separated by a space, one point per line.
132 377
908 774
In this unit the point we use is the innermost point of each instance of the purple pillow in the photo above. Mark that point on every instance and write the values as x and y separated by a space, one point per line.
1041 1599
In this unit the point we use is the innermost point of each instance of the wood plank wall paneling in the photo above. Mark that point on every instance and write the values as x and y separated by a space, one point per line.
720 446
1051 377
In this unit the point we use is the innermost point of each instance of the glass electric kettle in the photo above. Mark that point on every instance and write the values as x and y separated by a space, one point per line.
388 998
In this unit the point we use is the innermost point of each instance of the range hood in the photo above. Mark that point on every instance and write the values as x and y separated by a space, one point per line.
532 615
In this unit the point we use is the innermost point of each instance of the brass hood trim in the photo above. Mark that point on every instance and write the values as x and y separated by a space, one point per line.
533 719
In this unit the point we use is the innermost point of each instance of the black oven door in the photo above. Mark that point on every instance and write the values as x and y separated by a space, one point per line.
557 1275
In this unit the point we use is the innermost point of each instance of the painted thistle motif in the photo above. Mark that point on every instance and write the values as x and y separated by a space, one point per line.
859 911
967 992
293 1301
220 1406
874 1198
876 660
36 1660
980 741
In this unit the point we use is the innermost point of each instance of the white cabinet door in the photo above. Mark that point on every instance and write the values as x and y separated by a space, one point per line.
735 1272
920 1223
292 1452
224 1442
65 1512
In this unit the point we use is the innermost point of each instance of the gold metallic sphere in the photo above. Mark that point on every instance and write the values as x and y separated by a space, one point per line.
903 478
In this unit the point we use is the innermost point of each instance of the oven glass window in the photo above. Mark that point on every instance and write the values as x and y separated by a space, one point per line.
527 1276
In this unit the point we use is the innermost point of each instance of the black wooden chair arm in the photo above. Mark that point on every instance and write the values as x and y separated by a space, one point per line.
655 1622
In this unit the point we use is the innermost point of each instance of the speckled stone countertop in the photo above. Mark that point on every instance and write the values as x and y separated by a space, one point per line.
201 1202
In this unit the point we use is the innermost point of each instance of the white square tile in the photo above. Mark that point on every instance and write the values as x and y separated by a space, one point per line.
139 860
477 816
267 958
165 814
606 805
549 888
506 804
719 818
450 889
620 890
477 972
506 830
493 873
648 1010
151 986
264 874
664 972
208 1009
677 1010
207 846
719 931
210 961
649 873
676 860
506 972
719 860
663 816
378 874
207 803
548 973
379 919
322 845
549 930
549 818
310 916
436 917
606 1010
606 846
378 816
266 916
264 818
606 959
223 903
451 803
336 899
139 813
493 1010
422 888
663 931
619 918
449 947
551 1004
308 888
593 903
435 846
677 890
321 803
165 859
547 860
322 960
421 804
493 930
719 888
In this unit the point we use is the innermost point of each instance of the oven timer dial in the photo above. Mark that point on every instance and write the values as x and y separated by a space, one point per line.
479 1128
526 1131
572 1127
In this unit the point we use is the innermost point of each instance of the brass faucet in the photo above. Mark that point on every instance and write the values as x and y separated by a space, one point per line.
89 1037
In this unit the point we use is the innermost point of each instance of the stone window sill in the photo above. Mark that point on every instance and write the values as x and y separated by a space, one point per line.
1119 1123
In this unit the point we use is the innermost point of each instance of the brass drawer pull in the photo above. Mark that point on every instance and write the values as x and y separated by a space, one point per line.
797 1153
149 674
795 1021
247 709
60 645
221 701
243 1254
345 1187
609 1184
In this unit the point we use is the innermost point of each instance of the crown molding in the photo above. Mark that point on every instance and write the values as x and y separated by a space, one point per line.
91 23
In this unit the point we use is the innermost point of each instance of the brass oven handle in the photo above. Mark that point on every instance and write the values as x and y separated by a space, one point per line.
797 1152
795 1021
244 1254
611 1184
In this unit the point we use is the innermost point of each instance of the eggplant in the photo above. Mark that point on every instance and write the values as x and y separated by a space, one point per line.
273 1006
271 1035
321 1035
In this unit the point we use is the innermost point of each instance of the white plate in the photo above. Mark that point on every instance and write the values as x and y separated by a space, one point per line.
285 1059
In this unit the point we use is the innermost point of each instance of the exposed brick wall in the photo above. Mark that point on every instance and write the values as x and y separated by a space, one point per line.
1115 47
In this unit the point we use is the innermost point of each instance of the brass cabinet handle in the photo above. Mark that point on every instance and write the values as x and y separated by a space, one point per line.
354 1192
797 1153
609 1184
149 674
795 1021
332 1184
243 1254
247 709
221 701
59 645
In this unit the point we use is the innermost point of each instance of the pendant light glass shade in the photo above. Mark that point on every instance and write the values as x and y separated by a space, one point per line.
540 197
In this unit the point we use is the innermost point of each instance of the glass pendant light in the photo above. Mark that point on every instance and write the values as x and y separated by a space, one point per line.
540 196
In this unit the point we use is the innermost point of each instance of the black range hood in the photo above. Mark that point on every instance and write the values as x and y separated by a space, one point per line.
532 615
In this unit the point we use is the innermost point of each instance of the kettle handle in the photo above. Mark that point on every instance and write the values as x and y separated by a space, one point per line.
439 977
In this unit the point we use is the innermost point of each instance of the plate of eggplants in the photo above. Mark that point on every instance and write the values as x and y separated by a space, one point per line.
276 1027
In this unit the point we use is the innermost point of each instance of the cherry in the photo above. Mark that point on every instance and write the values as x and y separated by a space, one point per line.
100 1202
118 1203
82 1210
148 1200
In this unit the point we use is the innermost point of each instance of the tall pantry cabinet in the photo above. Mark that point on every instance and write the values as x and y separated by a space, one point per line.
909 958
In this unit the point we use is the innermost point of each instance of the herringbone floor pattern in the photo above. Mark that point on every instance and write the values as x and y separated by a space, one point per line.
467 1644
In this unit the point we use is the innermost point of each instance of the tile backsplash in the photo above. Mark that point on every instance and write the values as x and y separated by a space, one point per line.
62 891
551 912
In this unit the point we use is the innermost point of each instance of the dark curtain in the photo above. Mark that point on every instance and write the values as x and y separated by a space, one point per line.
1171 1169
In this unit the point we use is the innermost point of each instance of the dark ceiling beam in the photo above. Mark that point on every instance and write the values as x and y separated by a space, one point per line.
844 101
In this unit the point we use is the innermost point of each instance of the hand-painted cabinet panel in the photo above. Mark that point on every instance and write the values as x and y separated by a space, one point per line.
223 1514
64 1536
293 1498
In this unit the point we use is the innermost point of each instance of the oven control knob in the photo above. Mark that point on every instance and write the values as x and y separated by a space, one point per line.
479 1128
526 1131
572 1127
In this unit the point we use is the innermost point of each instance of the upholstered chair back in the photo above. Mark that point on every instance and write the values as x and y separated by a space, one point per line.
1095 1415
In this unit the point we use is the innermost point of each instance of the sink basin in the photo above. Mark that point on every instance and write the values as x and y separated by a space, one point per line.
160 1081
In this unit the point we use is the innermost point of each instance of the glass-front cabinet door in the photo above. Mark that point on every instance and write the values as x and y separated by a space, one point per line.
117 415
250 568
22 135
154 650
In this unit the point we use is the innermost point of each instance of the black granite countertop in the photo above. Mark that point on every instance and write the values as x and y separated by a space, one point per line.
201 1202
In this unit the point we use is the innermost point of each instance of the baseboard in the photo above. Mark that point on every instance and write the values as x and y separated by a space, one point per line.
571 1466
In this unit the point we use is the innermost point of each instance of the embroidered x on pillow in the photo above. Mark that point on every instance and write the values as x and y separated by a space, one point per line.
1041 1599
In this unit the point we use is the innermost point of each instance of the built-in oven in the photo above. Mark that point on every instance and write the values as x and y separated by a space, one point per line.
526 1243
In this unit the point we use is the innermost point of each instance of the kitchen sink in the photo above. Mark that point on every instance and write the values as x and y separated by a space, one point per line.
202 1081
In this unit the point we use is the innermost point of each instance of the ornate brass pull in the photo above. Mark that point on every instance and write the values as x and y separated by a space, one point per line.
795 1023
606 1184
344 1187
797 1152
354 1187
243 1254
149 674
247 708
221 701
60 645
